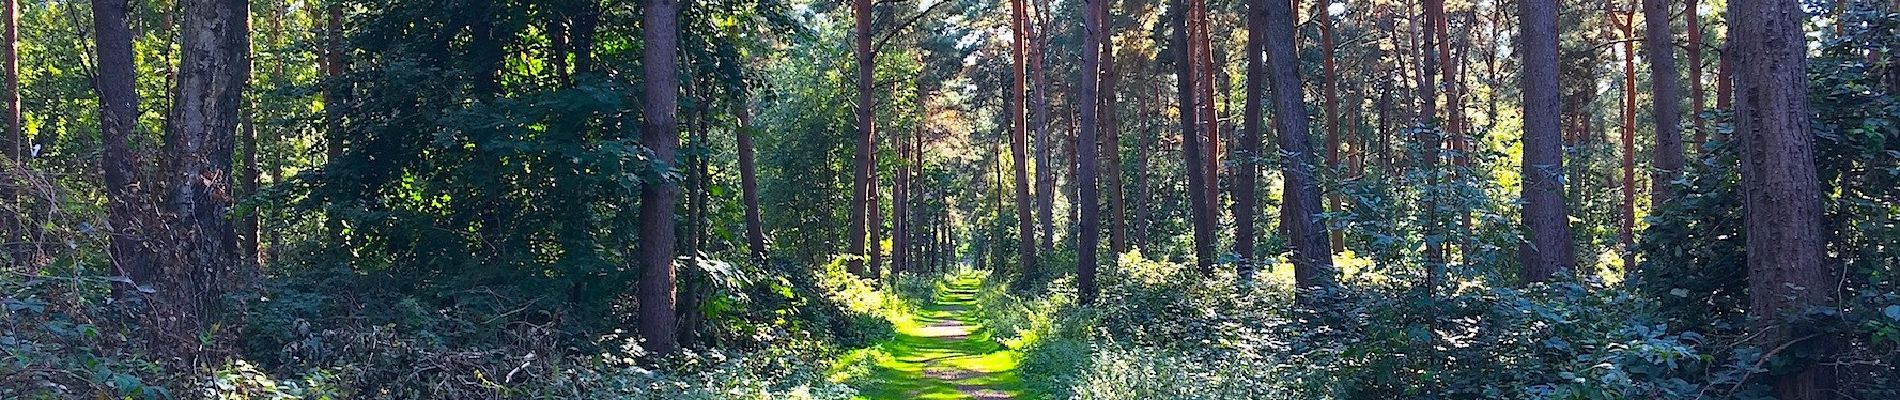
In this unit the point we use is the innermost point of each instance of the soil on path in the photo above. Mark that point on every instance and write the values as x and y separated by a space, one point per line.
946 353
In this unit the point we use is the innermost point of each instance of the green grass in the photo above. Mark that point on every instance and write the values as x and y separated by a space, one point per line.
944 352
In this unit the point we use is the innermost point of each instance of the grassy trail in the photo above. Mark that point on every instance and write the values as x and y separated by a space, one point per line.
945 353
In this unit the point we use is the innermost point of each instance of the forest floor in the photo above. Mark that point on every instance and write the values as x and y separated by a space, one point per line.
945 352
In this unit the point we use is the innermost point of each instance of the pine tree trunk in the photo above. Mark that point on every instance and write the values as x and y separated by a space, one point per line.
658 200
861 184
1019 144
749 184
1696 102
1547 249
1665 89
1627 231
1788 271
1431 141
1112 140
13 246
1330 88
1045 146
1089 237
1201 216
1312 260
1246 179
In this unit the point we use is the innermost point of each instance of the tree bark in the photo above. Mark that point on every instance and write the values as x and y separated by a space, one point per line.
1045 166
1330 87
213 71
658 199
749 184
861 184
130 208
1696 102
1112 138
1201 217
1788 271
1312 260
1246 178
1547 249
13 246
1665 89
1627 231
1019 143
1431 141
1089 236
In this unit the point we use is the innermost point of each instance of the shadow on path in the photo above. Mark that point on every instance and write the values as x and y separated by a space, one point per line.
945 354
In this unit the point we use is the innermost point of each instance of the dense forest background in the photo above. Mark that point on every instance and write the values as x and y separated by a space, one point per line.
1134 199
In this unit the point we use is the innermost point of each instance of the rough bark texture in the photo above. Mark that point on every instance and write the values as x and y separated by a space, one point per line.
861 179
1787 266
214 44
749 184
1112 139
1431 141
1312 259
1696 101
12 154
1627 231
1019 144
1330 87
1247 177
1200 215
658 200
1045 146
130 209
1547 249
1665 89
1089 237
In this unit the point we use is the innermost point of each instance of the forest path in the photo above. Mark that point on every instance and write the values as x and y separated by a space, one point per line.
945 353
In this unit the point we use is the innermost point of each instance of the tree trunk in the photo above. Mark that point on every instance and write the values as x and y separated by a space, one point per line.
1019 144
900 196
1246 179
1330 84
658 200
1089 236
1045 146
749 184
1431 142
1209 116
1144 204
1112 139
1696 102
1312 260
1547 249
212 75
1664 90
1787 267
12 154
131 209
1201 216
1627 231
861 184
